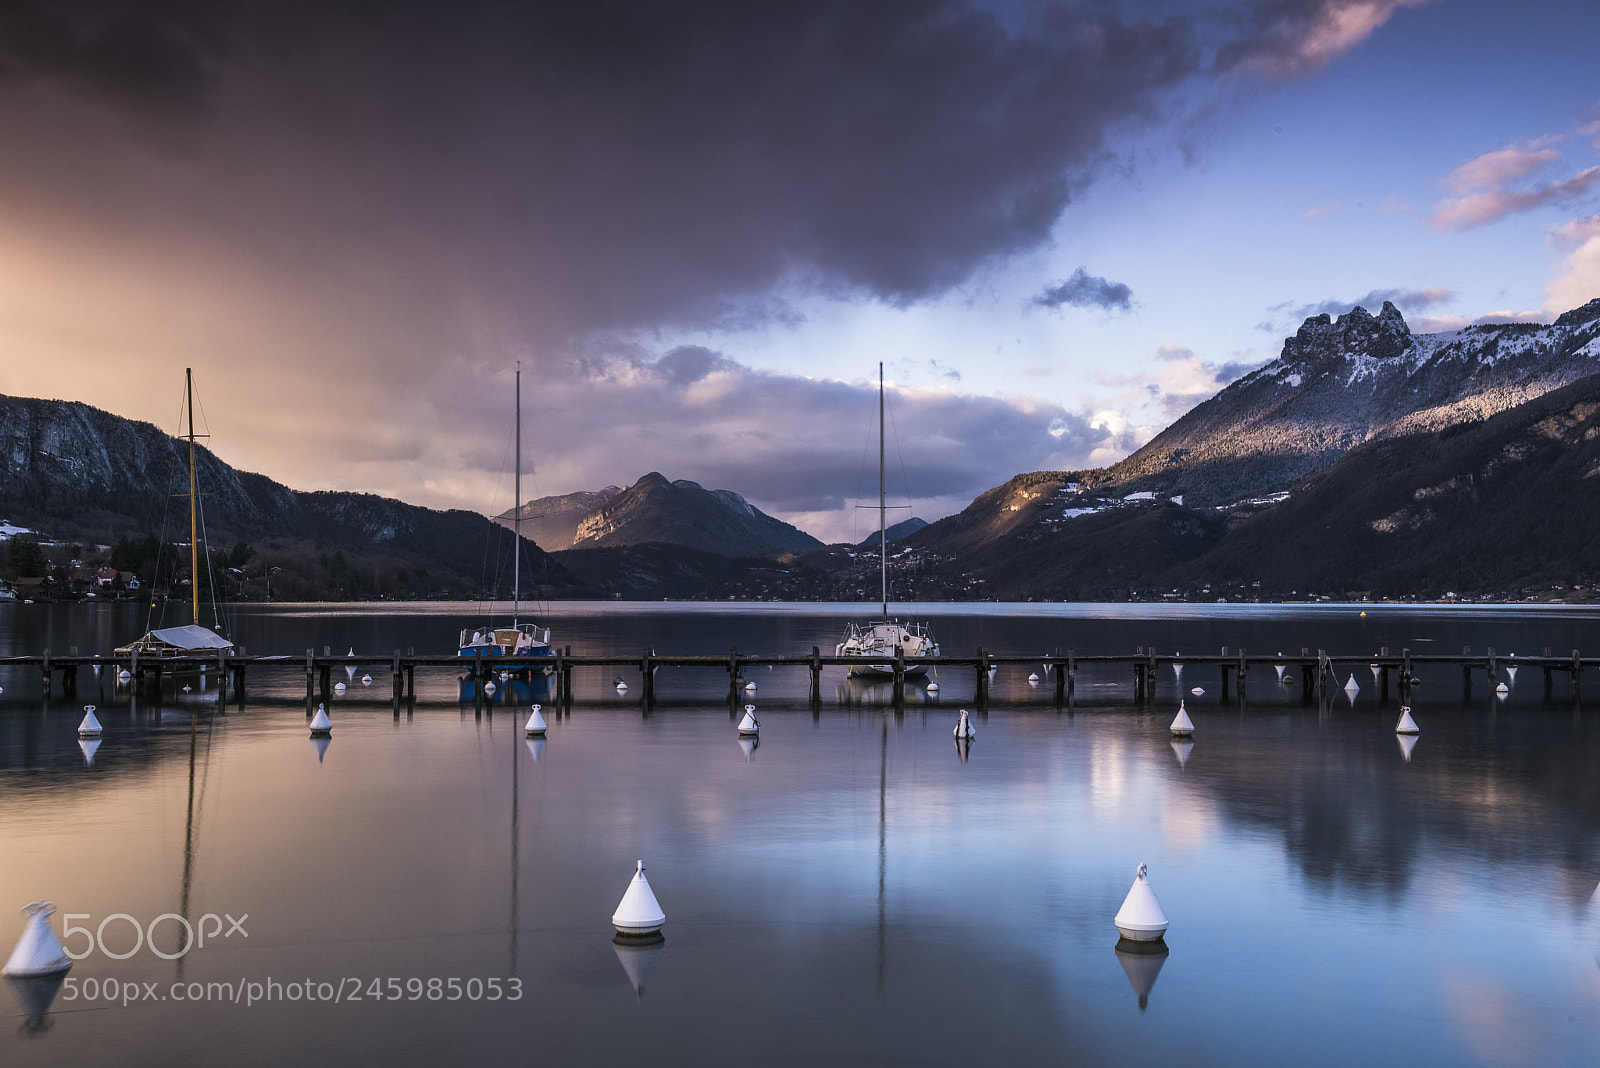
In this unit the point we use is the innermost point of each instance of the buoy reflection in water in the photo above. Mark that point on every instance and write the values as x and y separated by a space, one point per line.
1141 963
638 955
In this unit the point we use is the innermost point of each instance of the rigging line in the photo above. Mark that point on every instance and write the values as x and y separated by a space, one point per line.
155 577
205 540
900 453
494 540
161 545
861 477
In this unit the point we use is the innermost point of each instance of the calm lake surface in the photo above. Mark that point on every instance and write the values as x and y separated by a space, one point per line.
850 891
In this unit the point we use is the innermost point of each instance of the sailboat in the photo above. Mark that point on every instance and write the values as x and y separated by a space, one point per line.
519 639
192 640
875 642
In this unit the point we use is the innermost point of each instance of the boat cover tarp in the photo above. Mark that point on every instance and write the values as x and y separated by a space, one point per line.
188 638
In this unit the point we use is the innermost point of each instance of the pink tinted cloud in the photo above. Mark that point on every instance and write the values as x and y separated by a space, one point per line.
1480 209
1579 280
1322 211
1297 39
1500 167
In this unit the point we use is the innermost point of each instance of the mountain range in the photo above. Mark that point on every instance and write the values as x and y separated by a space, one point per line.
655 510
1340 383
1365 459
80 474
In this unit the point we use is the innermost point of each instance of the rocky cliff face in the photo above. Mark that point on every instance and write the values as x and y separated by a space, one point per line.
553 521
1340 383
655 510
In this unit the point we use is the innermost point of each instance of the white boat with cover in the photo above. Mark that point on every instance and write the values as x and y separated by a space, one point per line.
876 642
164 643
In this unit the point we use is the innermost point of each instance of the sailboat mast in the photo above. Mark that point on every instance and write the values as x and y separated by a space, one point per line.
883 506
194 537
516 506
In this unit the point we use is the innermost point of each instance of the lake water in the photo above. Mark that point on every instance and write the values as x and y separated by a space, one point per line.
850 891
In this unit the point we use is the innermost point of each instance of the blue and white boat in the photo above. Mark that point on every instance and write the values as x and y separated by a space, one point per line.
519 640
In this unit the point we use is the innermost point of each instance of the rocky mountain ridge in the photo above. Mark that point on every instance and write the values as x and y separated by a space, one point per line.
655 510
1340 383
1339 390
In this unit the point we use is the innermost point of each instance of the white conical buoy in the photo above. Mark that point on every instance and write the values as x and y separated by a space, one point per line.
1408 742
1182 725
366 680
320 724
965 731
338 687
1182 747
490 688
38 952
89 746
1502 689
1197 691
320 743
124 675
536 725
638 912
1140 918
186 688
933 687
622 687
1407 725
749 687
1033 679
1351 686
749 725
90 727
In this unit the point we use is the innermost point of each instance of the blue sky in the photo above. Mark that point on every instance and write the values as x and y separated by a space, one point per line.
700 226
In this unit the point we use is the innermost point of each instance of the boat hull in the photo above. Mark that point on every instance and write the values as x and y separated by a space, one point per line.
886 671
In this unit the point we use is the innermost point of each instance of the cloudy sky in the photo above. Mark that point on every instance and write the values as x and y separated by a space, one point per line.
700 225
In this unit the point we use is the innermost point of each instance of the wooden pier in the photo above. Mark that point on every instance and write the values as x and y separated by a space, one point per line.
1317 672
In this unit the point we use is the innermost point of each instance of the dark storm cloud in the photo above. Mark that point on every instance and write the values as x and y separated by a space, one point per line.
1084 290
540 171
608 164
137 52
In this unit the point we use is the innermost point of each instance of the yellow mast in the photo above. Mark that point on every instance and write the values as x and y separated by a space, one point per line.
194 535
